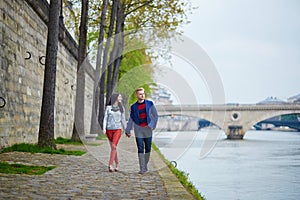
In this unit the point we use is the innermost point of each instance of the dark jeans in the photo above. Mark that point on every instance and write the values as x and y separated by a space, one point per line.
143 144
143 138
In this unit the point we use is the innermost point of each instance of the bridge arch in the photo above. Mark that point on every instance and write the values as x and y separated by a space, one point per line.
260 118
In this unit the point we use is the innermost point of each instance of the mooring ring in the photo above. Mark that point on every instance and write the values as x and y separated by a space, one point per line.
174 163
40 59
29 55
2 102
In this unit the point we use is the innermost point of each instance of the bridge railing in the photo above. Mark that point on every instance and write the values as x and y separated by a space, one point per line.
215 107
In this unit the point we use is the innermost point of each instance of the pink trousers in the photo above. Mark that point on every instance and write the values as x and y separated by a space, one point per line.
113 137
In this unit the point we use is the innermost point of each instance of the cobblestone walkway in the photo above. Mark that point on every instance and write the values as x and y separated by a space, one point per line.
87 176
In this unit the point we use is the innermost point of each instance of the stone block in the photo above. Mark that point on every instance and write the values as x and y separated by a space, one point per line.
4 130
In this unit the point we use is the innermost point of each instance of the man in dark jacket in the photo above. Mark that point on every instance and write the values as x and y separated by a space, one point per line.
143 118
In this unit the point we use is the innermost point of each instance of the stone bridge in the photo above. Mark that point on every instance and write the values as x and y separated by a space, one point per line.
235 119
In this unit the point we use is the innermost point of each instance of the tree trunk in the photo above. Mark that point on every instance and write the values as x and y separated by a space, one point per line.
46 130
109 75
104 63
120 43
113 54
78 127
95 129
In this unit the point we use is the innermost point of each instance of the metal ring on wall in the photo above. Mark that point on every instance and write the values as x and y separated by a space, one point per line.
2 102
40 59
174 163
29 55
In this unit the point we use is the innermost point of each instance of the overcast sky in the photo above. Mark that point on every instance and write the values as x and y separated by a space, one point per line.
254 45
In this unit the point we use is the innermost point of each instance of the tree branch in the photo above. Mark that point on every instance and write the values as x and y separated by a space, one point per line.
145 3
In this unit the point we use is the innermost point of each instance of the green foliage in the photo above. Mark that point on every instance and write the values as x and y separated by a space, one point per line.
23 169
166 16
71 12
61 140
32 148
135 71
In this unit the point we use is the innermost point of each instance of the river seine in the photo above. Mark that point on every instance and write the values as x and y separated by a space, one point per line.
264 165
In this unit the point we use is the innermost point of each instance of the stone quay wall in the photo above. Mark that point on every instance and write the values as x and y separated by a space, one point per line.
23 38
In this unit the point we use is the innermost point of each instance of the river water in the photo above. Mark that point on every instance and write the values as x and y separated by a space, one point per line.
264 165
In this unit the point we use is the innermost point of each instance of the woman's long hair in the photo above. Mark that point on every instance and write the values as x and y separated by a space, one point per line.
113 99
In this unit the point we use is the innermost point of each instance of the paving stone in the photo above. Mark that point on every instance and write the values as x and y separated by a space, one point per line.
87 176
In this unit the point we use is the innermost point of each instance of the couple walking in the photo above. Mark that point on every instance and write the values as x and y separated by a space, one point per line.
143 119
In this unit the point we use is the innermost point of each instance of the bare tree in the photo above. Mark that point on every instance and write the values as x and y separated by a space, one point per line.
46 129
119 41
95 109
167 15
105 60
78 126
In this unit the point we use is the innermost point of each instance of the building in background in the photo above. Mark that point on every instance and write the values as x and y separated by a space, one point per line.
294 99
272 100
161 96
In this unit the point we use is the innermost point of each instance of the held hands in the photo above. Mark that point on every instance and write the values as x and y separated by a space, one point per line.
151 128
128 135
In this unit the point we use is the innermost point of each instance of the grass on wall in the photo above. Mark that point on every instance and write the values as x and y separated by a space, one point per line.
33 148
